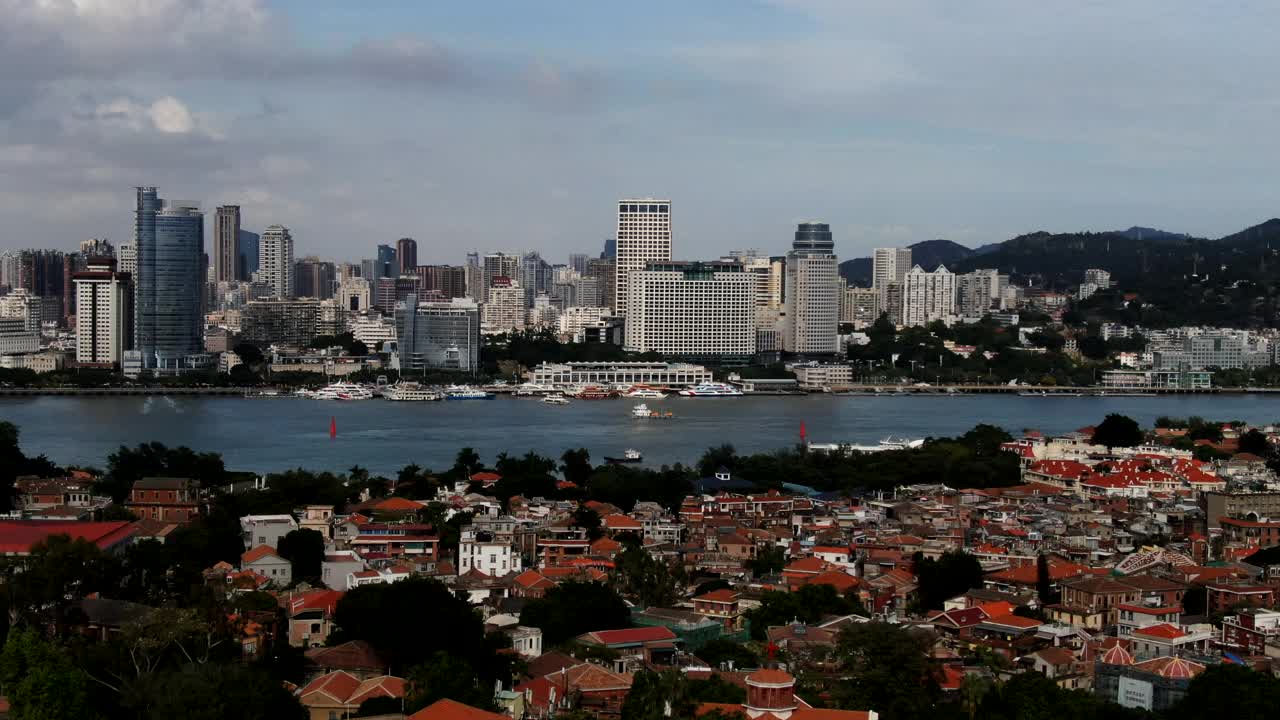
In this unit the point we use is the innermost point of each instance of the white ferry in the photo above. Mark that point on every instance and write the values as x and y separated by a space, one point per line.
555 400
466 392
712 389
410 392
343 391
647 393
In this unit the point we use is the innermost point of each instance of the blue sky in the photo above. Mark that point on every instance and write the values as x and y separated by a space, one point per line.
515 125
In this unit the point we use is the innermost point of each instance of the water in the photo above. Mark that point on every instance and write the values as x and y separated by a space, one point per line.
267 435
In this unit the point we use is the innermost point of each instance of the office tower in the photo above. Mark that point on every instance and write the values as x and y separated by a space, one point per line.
812 299
24 305
578 262
387 266
391 290
889 265
355 294
891 302
499 265
406 256
104 316
368 270
861 306
978 291
928 296
438 335
445 281
168 323
610 251
1097 276
16 338
588 292
313 277
275 255
767 273
535 276
504 310
604 272
72 263
97 248
9 261
226 244
644 236
127 260
293 322
475 277
249 255
691 310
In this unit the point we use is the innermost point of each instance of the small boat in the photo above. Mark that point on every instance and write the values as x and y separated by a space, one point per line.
532 389
629 456
466 392
711 389
410 392
642 412
555 400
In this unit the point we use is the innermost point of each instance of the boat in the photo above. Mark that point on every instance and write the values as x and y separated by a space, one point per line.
531 389
629 456
642 412
555 400
343 391
711 389
594 392
410 392
647 393
466 392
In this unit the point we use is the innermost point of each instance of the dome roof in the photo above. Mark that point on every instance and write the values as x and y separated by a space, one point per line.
770 676
1117 655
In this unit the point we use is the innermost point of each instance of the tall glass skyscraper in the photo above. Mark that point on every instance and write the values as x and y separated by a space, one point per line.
387 266
167 311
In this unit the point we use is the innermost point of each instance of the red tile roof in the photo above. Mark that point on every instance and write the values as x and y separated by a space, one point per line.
631 635
1164 631
1015 621
17 537
257 554
770 676
1116 655
841 581
397 504
453 710
1171 667
723 595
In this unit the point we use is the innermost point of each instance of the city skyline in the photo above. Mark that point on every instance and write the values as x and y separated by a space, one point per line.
883 122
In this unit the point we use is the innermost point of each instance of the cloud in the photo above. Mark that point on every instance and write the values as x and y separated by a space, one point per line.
167 115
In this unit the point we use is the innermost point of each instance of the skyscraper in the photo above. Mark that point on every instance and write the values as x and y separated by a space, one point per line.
407 255
692 310
499 265
889 265
386 266
928 296
578 262
475 277
313 277
438 335
610 251
167 310
535 276
248 263
605 274
812 292
644 236
226 244
103 317
275 254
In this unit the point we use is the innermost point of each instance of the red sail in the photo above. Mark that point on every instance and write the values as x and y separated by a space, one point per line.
333 427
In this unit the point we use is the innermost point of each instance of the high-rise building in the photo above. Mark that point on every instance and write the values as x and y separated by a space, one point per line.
127 260
928 296
578 262
249 242
691 310
891 302
407 255
25 305
313 277
275 254
388 291
860 306
446 281
475 278
503 265
812 292
9 261
438 335
610 251
889 265
604 272
979 291
226 244
290 321
767 273
355 294
644 236
104 316
535 276
97 248
168 319
504 310
386 264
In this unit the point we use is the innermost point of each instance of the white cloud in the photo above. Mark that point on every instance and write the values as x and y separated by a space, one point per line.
167 115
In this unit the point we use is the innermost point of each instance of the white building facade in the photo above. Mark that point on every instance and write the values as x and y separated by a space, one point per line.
275 260
644 236
692 310
103 313
928 296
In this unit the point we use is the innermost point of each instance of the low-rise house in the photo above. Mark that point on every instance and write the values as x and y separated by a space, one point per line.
318 518
340 694
169 499
721 606
1165 640
380 576
311 616
265 561
526 641
1221 597
266 530
1249 631
337 566
355 657
646 643
1133 617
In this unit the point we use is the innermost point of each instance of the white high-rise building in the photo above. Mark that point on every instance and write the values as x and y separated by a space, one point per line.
355 294
928 296
812 292
694 310
889 265
644 236
103 314
978 291
504 309
275 260
860 306
767 272
127 258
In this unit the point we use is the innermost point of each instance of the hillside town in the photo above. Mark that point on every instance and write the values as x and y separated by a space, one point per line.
1122 564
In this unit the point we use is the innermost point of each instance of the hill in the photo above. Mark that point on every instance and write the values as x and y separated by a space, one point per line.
928 254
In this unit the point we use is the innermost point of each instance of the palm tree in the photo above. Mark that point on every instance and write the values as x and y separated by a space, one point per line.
972 689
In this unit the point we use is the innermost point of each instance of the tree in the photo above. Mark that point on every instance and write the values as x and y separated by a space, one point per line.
45 588
808 605
658 696
716 690
249 353
770 560
1229 691
127 465
573 608
1044 582
445 675
304 548
886 669
589 520
41 681
721 651
575 465
715 458
952 574
468 461
1256 443
1117 430
650 581
216 691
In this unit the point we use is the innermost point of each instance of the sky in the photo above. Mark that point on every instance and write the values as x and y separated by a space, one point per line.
514 125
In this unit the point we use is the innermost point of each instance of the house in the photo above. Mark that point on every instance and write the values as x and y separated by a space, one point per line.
526 641
771 694
1220 597
381 576
1154 685
170 499
1166 640
266 530
452 710
644 642
264 561
1133 617
318 518
337 565
721 606
1060 665
355 657
18 537
1248 631
311 616
339 694
598 690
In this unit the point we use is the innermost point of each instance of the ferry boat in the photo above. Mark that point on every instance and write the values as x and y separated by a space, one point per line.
343 391
639 391
642 412
531 389
711 389
555 400
466 392
410 392
594 392
629 456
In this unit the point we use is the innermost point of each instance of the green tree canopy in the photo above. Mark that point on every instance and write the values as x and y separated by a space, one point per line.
304 548
1117 430
573 608
951 574
41 681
